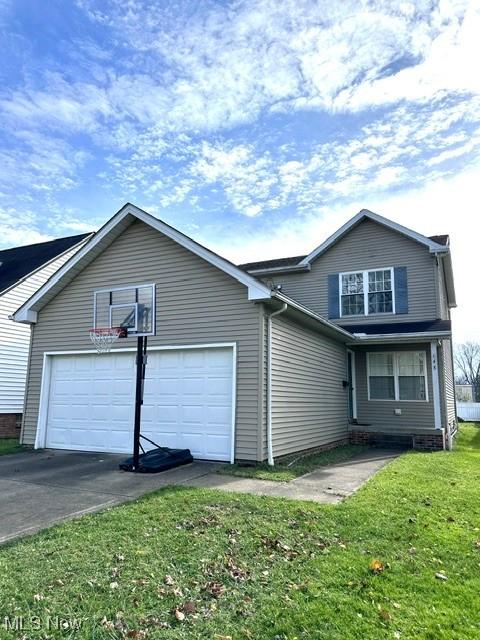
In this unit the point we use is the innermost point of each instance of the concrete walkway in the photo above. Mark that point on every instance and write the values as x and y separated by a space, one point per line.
329 484
41 488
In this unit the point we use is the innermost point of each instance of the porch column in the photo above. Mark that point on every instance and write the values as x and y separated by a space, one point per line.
436 385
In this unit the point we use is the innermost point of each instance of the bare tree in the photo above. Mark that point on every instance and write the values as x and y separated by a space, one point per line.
467 362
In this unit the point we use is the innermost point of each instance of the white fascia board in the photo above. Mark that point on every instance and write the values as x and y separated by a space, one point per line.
402 337
433 247
256 290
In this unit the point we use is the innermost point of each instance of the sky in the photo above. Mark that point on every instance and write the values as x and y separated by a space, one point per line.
258 127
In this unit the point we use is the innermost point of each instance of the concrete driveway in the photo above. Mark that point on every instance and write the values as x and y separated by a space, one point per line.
40 488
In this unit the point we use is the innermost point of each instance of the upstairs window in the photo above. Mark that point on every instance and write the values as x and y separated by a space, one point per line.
397 376
366 292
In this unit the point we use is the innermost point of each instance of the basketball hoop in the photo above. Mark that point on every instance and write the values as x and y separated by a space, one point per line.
103 339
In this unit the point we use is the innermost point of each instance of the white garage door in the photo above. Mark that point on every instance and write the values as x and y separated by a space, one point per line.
187 401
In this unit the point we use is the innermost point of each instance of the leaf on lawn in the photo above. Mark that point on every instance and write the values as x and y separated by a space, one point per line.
396 605
219 637
168 580
236 572
189 606
397 635
38 596
376 566
179 615
119 557
137 634
115 572
178 592
477 544
441 576
114 585
107 624
215 589
384 615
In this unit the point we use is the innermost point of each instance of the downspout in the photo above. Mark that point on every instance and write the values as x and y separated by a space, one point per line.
269 382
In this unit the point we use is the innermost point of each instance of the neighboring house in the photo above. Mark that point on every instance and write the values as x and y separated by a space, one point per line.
23 270
352 341
464 393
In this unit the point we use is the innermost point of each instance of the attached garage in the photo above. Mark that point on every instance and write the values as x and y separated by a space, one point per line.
87 401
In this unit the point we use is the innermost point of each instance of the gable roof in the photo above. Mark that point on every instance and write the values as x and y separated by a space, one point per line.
27 313
19 262
365 214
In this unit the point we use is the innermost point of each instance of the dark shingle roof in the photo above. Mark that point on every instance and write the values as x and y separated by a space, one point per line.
18 262
271 264
440 239
424 326
288 262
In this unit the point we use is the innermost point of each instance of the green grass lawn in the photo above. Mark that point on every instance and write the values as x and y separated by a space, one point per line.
293 466
185 563
10 445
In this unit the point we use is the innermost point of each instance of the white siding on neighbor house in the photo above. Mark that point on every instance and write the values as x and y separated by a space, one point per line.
380 414
15 337
368 246
196 304
309 402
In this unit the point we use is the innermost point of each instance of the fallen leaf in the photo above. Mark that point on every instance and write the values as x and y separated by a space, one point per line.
114 585
376 566
38 596
384 615
179 615
189 606
168 580
441 576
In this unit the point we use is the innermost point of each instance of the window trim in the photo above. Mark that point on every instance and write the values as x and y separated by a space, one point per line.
396 376
366 292
127 288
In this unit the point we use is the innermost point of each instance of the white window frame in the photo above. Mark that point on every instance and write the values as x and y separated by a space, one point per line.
132 331
396 375
366 292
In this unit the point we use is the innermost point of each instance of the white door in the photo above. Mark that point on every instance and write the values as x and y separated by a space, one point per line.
187 401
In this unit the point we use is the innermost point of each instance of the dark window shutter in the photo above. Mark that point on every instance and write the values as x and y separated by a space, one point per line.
401 290
333 304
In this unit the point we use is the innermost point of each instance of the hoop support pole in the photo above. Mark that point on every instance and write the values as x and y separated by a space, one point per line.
141 363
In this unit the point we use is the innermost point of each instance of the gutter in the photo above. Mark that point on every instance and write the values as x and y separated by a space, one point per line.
385 337
269 383
273 270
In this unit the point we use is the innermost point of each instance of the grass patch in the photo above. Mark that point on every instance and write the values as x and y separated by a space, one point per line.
206 565
292 467
10 445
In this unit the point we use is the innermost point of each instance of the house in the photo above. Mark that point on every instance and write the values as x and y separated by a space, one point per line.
22 271
251 362
465 392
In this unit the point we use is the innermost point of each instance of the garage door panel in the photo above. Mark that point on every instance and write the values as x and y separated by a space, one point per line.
187 401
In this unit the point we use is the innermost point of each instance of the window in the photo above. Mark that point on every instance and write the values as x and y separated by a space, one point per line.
397 376
132 307
367 292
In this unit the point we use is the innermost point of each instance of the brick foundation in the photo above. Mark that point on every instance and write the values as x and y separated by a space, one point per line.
423 442
10 425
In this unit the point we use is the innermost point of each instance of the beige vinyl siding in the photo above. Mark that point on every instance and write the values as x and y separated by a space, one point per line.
309 402
196 303
448 385
367 246
380 413
15 337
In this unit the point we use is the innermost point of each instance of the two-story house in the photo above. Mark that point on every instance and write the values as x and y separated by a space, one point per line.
251 362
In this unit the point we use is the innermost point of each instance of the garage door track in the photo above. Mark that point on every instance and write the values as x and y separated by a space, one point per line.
40 488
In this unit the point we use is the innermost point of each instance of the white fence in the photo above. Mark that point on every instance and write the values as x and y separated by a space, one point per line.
469 411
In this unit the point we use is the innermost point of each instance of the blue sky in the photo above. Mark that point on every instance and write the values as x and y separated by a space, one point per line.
257 127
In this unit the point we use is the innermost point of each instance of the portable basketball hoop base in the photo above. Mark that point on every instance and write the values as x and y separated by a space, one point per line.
160 458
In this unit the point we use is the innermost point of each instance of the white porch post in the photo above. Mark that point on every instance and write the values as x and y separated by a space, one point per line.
436 385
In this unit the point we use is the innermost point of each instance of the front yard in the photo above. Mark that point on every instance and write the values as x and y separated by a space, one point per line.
400 560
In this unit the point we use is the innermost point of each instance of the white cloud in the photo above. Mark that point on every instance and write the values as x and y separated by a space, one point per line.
443 206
